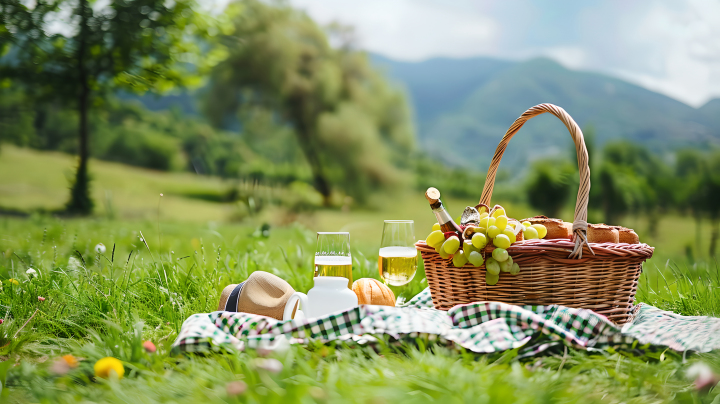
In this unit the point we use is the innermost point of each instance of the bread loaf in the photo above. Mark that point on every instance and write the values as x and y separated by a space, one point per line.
602 233
627 235
556 228
371 291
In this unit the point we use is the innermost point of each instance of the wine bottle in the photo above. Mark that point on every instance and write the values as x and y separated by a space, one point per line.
443 217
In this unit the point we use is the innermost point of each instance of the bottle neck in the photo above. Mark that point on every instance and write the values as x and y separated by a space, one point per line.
443 217
441 214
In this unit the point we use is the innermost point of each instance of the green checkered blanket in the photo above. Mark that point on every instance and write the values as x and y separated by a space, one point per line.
482 327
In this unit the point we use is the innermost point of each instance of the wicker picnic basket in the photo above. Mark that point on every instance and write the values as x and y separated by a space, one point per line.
601 277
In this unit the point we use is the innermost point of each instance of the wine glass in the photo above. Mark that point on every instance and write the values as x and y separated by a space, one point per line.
398 258
332 255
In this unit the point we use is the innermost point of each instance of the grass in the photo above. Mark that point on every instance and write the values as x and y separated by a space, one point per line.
108 305
101 305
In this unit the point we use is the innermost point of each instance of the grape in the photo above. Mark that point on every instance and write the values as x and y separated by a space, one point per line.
506 265
475 258
500 254
479 240
530 233
501 241
501 222
510 233
499 212
515 269
440 250
468 248
492 266
526 224
486 222
451 244
493 231
491 279
541 230
459 259
435 239
483 215
436 226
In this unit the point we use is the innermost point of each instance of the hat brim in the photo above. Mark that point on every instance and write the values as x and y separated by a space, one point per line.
225 295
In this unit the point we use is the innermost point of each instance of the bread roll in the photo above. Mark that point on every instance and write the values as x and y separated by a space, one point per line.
627 235
556 228
602 233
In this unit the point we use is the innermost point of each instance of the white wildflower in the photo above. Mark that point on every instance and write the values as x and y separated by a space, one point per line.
100 248
271 365
31 273
74 264
705 378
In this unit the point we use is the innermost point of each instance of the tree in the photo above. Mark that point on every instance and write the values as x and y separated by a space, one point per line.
75 51
698 182
632 180
549 186
712 196
690 169
354 130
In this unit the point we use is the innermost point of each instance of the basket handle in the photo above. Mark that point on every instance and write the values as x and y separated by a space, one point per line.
580 219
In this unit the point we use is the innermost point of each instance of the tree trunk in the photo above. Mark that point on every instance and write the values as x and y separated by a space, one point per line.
320 181
653 220
698 239
80 202
303 131
714 237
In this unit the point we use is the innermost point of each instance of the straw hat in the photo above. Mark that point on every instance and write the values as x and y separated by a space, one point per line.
262 293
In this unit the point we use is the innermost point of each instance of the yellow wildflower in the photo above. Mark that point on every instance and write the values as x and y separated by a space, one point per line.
13 281
106 365
70 360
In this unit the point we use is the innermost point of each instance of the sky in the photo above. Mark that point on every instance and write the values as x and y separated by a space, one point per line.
668 46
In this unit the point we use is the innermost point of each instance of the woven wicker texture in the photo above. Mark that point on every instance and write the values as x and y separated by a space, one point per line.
600 277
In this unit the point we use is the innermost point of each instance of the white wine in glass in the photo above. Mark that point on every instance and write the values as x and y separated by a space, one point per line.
332 255
398 258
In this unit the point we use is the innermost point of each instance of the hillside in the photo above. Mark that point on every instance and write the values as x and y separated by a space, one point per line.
477 99
38 180
463 107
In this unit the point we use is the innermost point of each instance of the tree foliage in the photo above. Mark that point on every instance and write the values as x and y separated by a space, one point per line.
74 52
549 186
354 130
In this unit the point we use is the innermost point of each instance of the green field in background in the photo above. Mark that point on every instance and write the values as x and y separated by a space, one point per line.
32 180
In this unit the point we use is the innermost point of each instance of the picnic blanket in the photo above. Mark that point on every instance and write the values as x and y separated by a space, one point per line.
482 327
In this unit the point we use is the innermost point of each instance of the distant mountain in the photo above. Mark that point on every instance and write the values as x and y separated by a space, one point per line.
464 106
440 85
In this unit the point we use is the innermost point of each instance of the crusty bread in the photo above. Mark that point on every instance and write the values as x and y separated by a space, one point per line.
627 235
556 228
602 233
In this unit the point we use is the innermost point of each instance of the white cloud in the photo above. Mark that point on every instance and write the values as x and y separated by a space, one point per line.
666 45
408 30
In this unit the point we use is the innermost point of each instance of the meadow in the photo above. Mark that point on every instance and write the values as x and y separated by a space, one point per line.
169 257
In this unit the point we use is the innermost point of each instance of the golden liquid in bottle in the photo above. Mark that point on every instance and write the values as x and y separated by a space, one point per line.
397 265
334 266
